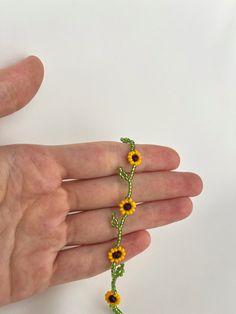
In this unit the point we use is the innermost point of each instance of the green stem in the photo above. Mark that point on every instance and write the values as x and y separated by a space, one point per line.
120 228
130 182
115 310
130 187
132 172
114 278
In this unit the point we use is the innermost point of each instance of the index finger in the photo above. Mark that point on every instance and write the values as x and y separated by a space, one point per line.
103 158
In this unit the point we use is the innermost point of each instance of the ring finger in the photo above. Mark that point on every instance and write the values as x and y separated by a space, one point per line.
94 226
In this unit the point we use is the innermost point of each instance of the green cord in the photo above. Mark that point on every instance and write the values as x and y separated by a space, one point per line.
118 271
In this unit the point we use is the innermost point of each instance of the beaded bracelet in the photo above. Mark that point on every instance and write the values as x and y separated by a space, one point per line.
127 207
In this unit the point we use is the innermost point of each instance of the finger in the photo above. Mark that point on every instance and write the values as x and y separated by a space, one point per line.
89 260
19 83
149 186
99 159
95 226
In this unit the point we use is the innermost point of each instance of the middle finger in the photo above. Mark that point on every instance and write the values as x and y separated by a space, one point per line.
150 186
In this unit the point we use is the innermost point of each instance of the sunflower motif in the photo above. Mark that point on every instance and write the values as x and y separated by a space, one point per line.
127 206
112 298
134 157
116 254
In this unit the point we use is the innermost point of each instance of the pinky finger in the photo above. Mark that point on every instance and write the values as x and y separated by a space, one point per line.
90 260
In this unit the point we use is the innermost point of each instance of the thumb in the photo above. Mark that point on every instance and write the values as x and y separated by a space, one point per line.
19 83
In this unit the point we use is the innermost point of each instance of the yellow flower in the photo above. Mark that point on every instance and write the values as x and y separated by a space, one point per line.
134 157
127 206
112 298
116 254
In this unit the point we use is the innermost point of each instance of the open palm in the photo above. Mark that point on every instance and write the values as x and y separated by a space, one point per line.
56 197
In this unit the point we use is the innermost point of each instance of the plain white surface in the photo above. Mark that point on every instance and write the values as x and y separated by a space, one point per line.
159 72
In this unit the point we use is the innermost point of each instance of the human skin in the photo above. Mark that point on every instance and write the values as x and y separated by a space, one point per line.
36 199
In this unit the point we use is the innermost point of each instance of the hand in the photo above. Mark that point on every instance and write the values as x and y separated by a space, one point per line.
36 199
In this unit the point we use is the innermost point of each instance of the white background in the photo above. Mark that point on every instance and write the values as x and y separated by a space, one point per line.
157 71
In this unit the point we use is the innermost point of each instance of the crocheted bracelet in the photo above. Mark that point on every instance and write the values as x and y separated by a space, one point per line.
127 207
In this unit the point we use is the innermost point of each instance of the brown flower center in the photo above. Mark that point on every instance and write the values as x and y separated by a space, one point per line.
117 254
127 206
112 298
135 157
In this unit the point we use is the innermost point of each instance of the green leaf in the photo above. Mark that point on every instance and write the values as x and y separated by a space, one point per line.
128 140
120 270
124 175
125 139
114 221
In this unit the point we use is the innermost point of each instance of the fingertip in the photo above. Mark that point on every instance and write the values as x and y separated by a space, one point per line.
36 66
186 207
170 157
146 238
35 60
136 242
197 184
175 158
158 157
